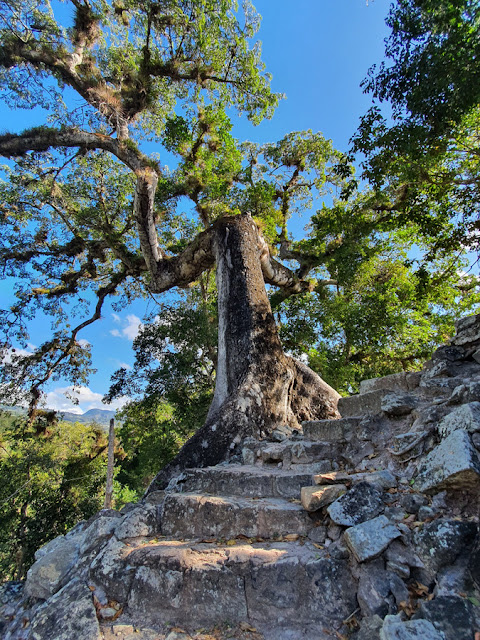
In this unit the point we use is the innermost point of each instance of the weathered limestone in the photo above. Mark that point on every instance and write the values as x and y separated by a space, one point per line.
330 430
66 615
395 404
383 478
468 331
279 585
453 463
368 539
439 543
314 498
393 382
363 502
360 405
248 481
466 418
45 577
138 522
198 516
233 542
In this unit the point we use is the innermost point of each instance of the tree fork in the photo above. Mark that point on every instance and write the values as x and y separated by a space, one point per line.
257 387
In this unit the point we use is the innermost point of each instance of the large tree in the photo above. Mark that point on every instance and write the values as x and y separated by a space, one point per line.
87 214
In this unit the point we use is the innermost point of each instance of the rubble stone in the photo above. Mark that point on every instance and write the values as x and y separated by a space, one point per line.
440 542
45 576
67 614
396 405
374 589
451 615
468 330
368 539
396 629
141 521
466 417
362 502
369 628
314 498
453 463
412 502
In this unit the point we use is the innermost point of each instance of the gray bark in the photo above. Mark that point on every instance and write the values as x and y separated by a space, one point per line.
257 387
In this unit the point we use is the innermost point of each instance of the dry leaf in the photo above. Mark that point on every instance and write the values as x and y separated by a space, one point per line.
291 537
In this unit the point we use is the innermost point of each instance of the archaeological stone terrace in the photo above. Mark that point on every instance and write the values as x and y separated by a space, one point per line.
364 527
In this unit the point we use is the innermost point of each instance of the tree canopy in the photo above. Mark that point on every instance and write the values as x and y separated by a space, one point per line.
423 162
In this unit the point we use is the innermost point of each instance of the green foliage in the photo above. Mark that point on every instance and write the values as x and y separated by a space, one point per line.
173 379
385 313
138 72
432 79
53 475
424 166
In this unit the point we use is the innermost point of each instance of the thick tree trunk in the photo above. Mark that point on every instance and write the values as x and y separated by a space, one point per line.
258 387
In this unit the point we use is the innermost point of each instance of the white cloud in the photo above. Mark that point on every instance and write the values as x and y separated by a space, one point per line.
60 400
131 326
8 353
84 343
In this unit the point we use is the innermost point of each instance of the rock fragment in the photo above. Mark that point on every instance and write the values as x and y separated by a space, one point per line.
66 615
368 539
453 463
362 502
451 615
466 417
314 498
396 629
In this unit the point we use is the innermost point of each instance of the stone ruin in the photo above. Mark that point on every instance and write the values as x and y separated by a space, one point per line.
365 527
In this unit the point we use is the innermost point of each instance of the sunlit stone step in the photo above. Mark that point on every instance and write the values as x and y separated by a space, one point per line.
248 481
192 515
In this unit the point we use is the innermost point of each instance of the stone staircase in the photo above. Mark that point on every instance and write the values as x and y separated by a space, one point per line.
315 535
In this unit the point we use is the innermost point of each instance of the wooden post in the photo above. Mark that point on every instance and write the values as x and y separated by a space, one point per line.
111 447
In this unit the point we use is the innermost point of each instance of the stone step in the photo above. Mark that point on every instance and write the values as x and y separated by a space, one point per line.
286 590
369 403
243 480
302 455
330 430
403 381
192 515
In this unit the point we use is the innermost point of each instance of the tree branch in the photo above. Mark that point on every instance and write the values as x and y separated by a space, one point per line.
44 138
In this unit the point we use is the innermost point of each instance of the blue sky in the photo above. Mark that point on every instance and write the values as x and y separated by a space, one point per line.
318 52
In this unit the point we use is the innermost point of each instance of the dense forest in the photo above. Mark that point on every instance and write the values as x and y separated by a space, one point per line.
88 214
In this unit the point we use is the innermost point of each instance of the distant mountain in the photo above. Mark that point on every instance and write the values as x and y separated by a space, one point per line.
98 416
